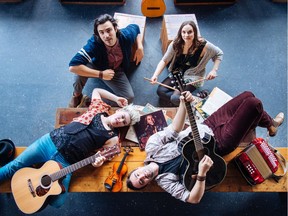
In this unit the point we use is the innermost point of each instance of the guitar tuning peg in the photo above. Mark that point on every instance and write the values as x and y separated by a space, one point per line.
172 81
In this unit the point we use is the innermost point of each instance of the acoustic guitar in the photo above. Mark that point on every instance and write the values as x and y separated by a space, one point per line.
153 8
195 148
31 187
114 181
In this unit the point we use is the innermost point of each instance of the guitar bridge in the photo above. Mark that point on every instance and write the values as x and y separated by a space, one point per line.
31 188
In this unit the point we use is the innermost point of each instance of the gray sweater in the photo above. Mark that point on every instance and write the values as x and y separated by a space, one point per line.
195 73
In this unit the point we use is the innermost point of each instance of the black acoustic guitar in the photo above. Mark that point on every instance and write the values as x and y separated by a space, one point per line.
195 148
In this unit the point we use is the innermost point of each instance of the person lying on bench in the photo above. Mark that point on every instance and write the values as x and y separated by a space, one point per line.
229 125
78 139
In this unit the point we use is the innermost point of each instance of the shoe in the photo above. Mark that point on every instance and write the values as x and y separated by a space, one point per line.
203 94
85 102
75 101
277 121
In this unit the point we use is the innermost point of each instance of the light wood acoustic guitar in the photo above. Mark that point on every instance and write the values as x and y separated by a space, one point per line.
153 8
31 187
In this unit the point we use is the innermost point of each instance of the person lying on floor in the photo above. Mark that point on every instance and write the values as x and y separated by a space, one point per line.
77 140
229 125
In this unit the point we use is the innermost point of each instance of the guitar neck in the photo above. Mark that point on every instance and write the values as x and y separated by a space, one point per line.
63 172
121 163
194 128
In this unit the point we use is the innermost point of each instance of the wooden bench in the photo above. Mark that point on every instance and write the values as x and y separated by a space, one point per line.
170 26
90 179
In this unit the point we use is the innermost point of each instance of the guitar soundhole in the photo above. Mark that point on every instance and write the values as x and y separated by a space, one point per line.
43 189
46 181
204 151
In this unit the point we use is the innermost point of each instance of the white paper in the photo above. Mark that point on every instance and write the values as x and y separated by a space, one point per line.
216 99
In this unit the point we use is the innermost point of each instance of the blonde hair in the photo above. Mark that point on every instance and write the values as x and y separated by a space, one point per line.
133 113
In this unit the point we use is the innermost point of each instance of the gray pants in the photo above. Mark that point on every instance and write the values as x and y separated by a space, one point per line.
120 84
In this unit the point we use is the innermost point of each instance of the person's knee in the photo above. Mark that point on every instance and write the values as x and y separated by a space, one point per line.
253 103
248 94
175 99
130 97
162 93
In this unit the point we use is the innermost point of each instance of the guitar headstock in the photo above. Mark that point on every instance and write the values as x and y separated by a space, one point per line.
128 149
109 152
179 81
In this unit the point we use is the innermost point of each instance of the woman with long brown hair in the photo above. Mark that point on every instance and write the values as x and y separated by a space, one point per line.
188 53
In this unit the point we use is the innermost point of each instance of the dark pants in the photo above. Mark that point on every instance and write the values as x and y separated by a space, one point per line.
120 84
233 121
169 94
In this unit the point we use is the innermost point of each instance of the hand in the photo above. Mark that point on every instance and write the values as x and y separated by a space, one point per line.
186 96
153 79
212 75
121 101
108 74
204 165
139 54
99 161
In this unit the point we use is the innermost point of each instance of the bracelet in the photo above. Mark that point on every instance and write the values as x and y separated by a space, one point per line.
101 74
201 178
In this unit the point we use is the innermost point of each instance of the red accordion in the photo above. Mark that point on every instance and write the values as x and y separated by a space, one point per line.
257 162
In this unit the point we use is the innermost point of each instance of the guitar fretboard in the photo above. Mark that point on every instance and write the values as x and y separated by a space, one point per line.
63 172
194 127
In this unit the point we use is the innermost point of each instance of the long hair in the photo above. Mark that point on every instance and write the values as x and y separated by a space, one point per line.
133 113
179 42
101 20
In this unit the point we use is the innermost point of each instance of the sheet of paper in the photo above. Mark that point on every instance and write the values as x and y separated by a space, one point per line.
216 99
131 135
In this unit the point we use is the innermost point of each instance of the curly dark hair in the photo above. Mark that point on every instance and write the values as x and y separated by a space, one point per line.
179 42
101 20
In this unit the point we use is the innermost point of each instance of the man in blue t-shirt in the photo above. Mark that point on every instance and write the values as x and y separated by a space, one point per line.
106 56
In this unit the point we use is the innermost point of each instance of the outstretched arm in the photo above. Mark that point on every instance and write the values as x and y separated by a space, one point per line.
213 73
160 67
102 93
179 119
83 70
198 190
139 53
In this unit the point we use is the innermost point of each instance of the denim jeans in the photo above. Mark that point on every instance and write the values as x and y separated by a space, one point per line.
172 95
40 151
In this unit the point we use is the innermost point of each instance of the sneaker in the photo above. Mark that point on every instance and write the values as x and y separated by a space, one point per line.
277 121
75 101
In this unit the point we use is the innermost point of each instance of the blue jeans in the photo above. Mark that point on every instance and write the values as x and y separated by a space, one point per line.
40 151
